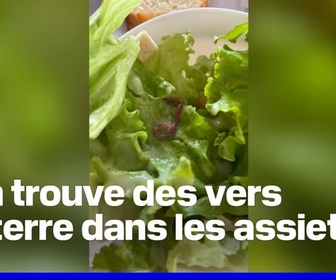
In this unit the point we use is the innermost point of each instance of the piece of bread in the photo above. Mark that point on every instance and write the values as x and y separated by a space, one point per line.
153 8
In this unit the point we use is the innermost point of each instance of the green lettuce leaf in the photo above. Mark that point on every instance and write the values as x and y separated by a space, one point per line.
132 256
199 255
225 255
171 62
142 81
107 92
110 62
226 94
109 17
235 33
232 68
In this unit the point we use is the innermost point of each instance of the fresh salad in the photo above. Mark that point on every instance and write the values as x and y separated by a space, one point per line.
166 120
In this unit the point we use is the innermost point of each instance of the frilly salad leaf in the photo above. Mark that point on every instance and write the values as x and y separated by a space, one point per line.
171 62
131 256
204 107
208 255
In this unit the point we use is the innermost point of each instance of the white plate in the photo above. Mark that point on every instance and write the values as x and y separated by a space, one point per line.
203 23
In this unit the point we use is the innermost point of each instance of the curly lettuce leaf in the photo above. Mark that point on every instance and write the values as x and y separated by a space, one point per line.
196 254
126 134
132 256
226 94
135 147
171 62
225 255
231 68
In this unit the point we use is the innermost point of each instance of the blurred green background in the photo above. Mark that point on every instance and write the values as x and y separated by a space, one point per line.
43 121
292 107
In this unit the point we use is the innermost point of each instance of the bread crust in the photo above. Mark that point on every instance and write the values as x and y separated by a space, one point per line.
153 8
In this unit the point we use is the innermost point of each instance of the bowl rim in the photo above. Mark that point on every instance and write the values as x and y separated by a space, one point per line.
180 13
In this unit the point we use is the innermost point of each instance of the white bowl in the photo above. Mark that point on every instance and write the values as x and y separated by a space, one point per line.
203 23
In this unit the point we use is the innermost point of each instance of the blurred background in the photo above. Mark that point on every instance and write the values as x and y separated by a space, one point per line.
94 4
229 4
292 124
44 113
43 122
